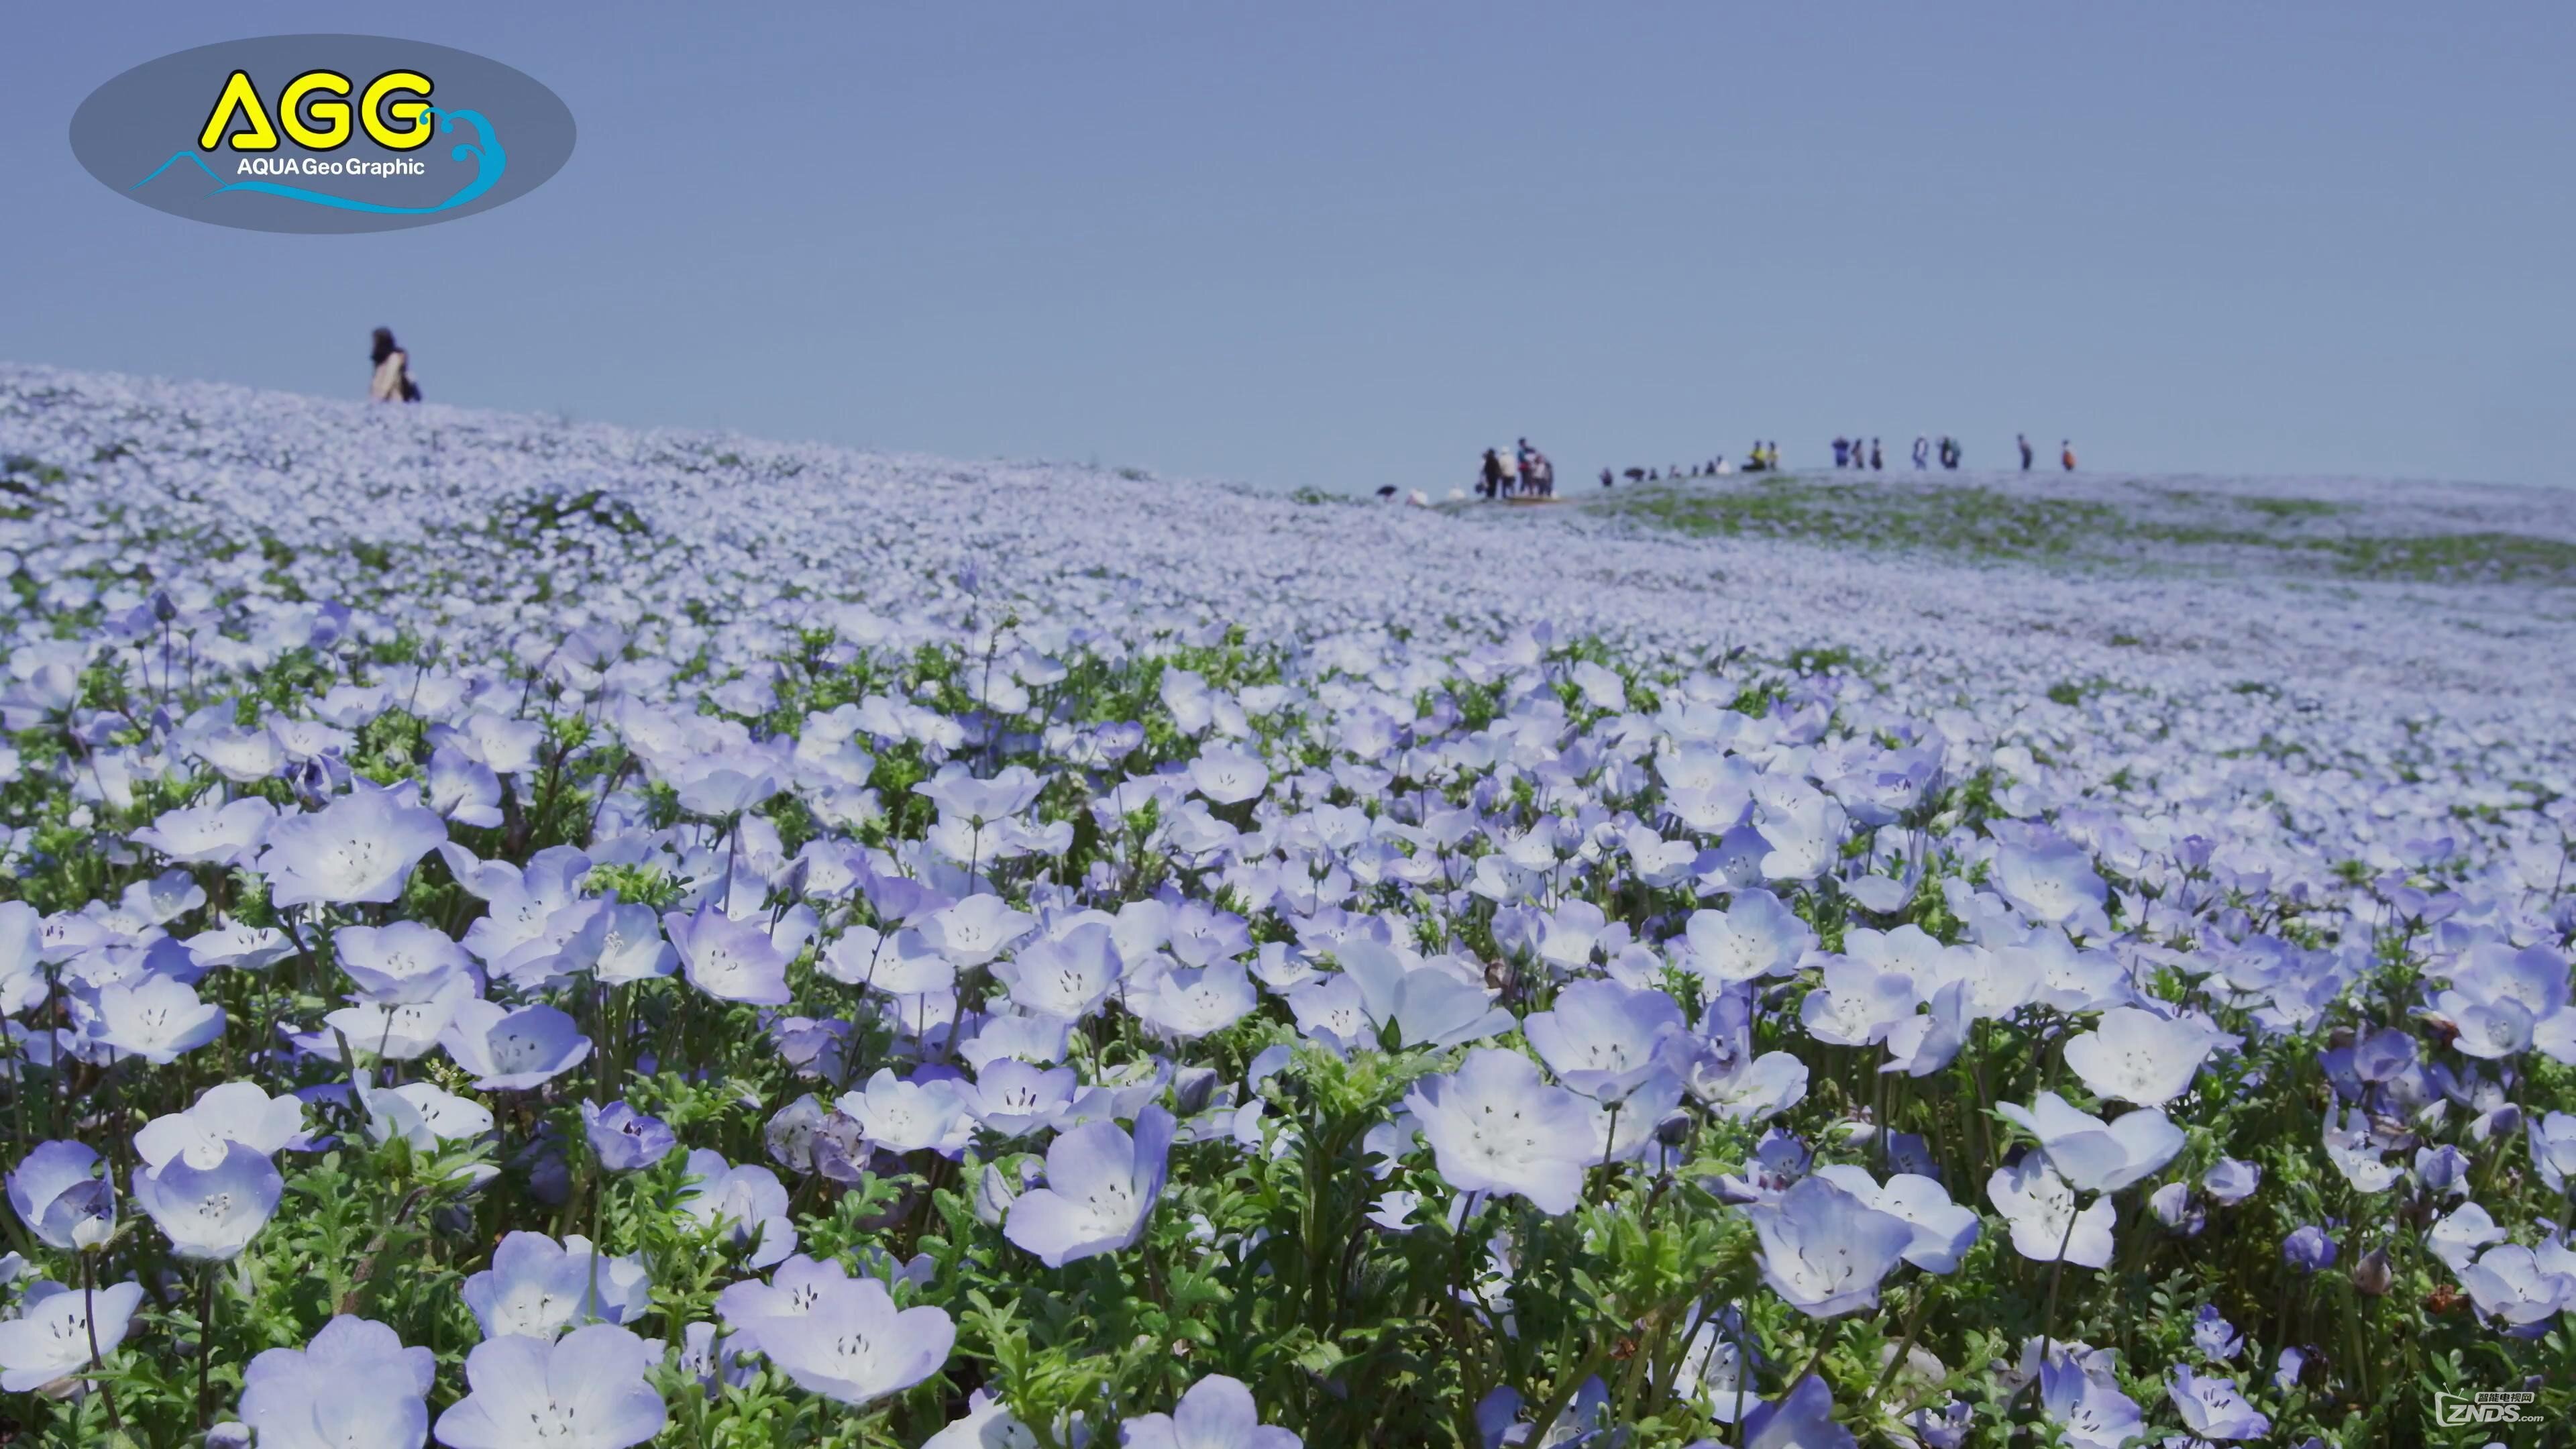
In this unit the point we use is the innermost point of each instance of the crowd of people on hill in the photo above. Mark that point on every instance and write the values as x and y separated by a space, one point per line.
1529 473
1531 476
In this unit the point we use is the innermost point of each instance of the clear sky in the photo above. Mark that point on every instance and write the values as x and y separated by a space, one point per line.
1346 245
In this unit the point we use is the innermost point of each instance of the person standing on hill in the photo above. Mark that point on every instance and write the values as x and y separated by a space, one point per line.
1842 452
1877 459
392 381
2024 440
2066 454
1489 482
1922 452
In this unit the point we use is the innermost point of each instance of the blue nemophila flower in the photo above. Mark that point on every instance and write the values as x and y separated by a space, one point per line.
2135 1055
2353 1144
2443 1170
2501 1000
2213 1335
354 1383
1495 1125
2552 1137
2213 1409
924 1115
2092 1155
2176 1208
1216 1413
747 1204
783 1305
2287 1367
394 1033
211 1212
2051 880
975 930
2040 1205
1229 776
1824 1250
512 1049
2081 1396
50 1340
58 1193
629 947
1427 1005
1603 1039
1101 1188
586 1390
22 958
2308 1249
423 1114
401 962
1802 825
855 1347
989 1424
1799 1419
623 1139
2457 1235
728 959
2230 1182
225 1113
156 1018
539 1287
898 963
1011 1097
1943 1230
359 848
1858 1004
2521 1287
1186 1003
1065 976
226 835
463 789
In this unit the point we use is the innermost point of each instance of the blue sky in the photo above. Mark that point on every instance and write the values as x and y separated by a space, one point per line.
1346 245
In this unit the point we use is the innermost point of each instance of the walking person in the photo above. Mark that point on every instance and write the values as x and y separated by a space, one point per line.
2024 440
1922 453
2066 454
392 382
1842 452
1490 481
1877 459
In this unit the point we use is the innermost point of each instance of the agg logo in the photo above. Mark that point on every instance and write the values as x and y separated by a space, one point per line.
322 133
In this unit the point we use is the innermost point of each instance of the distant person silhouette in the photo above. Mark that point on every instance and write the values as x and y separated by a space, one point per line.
2024 441
393 370
1489 482
1877 459
1922 452
2066 455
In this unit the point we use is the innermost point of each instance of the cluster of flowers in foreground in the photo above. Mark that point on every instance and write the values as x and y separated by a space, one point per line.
676 1006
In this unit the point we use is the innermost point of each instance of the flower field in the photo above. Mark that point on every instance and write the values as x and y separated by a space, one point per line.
518 932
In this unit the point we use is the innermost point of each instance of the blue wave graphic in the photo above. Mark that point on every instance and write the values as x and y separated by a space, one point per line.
173 161
488 157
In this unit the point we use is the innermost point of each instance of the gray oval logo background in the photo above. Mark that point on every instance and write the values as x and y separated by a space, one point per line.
497 135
